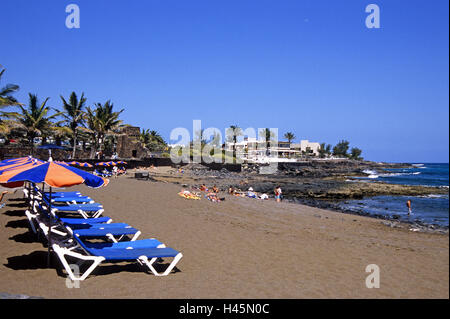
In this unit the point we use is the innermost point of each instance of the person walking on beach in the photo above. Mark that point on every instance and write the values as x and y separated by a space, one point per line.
408 204
278 194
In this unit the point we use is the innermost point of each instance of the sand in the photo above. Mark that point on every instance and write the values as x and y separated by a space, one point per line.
239 248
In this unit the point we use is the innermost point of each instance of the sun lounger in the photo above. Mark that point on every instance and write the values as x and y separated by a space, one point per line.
86 221
144 256
71 200
85 210
109 231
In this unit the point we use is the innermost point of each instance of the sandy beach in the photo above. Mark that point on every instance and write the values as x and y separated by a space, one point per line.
238 248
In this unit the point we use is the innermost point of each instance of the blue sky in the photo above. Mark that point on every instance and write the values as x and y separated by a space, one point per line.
310 67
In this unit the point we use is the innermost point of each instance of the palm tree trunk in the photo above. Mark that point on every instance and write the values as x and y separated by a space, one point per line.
31 141
74 146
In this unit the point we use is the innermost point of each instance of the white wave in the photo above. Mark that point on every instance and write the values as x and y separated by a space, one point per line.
399 174
370 172
418 165
433 196
372 176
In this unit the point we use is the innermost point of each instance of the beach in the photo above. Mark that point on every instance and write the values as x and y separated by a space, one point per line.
238 248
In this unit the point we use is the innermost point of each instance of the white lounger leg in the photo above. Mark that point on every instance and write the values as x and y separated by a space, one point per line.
62 252
31 217
144 260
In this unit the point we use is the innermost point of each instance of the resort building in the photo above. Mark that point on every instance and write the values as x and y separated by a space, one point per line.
307 147
252 149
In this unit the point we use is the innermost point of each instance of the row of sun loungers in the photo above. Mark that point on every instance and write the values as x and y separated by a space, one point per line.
70 221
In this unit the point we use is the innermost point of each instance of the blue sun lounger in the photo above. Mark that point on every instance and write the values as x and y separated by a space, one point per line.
66 220
85 221
63 194
85 210
144 256
107 231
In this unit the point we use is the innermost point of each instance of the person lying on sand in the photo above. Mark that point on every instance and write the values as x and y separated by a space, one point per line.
250 193
264 196
203 188
213 197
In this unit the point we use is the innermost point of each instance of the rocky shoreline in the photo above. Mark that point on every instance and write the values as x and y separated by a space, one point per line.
320 184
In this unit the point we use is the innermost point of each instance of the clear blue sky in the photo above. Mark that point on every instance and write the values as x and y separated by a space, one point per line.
310 67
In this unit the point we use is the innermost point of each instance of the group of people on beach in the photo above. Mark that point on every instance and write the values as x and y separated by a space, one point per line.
211 194
252 194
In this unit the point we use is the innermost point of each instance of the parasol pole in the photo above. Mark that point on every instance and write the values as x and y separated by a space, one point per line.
49 237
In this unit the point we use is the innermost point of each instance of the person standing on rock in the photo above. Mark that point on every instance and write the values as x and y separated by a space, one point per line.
408 204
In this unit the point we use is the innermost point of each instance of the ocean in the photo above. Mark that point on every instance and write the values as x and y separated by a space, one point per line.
430 209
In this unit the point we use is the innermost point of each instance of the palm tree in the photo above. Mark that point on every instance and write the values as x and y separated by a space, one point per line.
7 100
74 116
102 121
152 139
232 134
5 93
268 135
144 137
289 136
35 119
156 137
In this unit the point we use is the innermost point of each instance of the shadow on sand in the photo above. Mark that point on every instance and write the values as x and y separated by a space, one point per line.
20 223
27 238
15 213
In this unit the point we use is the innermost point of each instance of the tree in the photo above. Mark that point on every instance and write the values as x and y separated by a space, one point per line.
341 149
232 134
74 116
6 98
289 136
101 121
34 119
152 140
268 136
324 150
355 153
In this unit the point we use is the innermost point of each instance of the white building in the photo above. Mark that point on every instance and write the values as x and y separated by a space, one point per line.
256 150
307 147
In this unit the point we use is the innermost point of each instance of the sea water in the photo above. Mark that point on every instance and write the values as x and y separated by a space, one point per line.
429 209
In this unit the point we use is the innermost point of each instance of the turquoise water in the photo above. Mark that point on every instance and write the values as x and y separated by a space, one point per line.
431 209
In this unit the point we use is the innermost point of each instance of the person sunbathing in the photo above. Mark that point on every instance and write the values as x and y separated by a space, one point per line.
215 189
264 196
250 193
213 197
203 188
